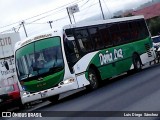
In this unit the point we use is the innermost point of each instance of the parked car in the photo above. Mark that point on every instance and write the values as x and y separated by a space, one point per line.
10 97
9 90
156 41
156 44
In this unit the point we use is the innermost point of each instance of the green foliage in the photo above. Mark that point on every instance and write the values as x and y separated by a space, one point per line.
154 26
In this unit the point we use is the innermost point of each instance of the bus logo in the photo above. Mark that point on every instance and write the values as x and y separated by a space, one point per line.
110 57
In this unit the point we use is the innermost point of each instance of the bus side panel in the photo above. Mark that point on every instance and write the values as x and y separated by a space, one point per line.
114 61
110 62
124 64
145 49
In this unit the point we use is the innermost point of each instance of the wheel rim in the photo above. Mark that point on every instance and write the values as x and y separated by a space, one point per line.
138 64
92 79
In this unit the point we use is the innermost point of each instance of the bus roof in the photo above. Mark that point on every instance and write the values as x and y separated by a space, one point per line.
36 37
89 23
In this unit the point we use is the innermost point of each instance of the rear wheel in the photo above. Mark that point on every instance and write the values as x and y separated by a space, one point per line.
137 63
93 79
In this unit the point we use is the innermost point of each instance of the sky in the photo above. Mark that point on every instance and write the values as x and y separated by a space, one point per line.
36 13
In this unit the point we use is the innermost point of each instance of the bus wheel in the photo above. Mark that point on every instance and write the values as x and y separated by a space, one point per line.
54 99
137 63
93 79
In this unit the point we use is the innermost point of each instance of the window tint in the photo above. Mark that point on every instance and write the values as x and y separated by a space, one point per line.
138 30
83 40
125 32
133 30
72 52
69 32
105 35
143 32
115 33
94 34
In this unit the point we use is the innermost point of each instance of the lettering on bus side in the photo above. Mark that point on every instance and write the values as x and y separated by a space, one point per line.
110 57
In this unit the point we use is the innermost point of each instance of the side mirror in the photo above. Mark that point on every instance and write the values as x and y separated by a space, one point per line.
70 38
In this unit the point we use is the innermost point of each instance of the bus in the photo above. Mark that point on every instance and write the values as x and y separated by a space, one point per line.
81 55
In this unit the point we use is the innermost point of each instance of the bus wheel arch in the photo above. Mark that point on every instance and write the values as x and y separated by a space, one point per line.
93 77
137 63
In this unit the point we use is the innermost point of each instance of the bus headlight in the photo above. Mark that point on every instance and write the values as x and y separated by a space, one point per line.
67 81
24 93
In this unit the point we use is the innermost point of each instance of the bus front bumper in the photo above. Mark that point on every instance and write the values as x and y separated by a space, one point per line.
26 98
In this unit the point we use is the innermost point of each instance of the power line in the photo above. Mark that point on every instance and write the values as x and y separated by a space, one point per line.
45 16
107 8
61 10
84 3
33 22
62 7
88 8
43 13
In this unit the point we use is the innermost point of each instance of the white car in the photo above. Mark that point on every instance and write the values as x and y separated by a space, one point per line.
156 42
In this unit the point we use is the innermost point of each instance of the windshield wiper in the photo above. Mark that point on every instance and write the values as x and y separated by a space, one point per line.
25 76
56 69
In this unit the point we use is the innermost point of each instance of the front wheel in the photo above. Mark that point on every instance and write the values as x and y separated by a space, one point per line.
93 79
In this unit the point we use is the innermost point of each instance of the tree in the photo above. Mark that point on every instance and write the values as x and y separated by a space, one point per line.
154 26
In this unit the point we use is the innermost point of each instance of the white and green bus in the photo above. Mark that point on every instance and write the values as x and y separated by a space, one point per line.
81 55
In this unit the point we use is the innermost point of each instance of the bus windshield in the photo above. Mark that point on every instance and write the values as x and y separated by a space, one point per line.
39 57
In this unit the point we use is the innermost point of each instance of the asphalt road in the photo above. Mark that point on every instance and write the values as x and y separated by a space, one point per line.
136 92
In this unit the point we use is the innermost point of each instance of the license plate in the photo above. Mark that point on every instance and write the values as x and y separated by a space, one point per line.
43 95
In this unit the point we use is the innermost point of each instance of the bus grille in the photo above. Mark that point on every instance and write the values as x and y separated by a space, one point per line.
148 50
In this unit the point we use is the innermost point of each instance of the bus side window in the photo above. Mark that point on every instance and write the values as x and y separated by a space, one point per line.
115 35
134 30
84 42
94 34
72 53
143 32
125 33
105 35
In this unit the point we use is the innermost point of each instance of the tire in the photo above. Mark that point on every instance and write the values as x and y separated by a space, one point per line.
137 63
93 79
20 105
54 99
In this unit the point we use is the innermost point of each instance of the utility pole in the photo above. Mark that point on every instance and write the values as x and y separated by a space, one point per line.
101 9
14 29
69 15
22 23
50 23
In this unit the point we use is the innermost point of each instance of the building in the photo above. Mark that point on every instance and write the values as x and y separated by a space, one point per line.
148 12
